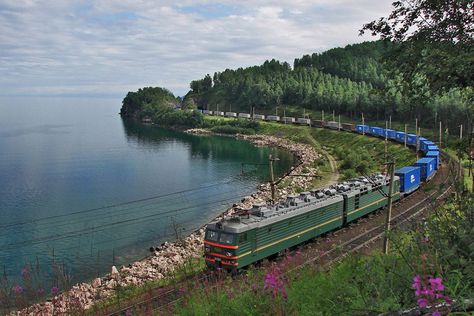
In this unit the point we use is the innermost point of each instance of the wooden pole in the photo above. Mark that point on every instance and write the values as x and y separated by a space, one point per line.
389 209
272 179
386 149
333 117
406 136
363 124
390 118
440 134
460 132
322 115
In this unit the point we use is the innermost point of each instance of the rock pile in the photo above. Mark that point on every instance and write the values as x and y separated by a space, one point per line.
171 255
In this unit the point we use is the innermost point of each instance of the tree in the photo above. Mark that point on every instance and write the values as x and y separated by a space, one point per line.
435 37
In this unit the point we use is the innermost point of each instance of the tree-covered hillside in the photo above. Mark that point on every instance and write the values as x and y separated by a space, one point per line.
146 102
351 80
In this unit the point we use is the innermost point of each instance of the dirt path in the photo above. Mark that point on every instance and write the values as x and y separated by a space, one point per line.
334 172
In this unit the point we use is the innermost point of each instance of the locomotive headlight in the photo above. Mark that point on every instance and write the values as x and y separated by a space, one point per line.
228 254
207 248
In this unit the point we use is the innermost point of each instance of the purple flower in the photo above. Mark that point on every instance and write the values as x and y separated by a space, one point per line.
436 313
128 312
54 290
436 284
17 289
422 302
25 272
40 291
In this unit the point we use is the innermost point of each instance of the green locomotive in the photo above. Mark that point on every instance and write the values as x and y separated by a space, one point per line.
265 230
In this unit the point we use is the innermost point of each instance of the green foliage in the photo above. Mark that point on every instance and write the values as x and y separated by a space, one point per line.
179 118
148 101
232 130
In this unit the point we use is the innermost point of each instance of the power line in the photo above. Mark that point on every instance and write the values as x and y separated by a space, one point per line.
114 205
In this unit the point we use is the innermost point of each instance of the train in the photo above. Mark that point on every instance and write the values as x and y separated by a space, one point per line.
233 243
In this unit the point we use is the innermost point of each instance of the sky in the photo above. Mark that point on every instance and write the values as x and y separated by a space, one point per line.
109 47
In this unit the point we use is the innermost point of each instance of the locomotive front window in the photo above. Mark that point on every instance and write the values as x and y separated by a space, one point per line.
226 238
211 235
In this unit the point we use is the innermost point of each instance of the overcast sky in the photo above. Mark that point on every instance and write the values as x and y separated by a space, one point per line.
109 47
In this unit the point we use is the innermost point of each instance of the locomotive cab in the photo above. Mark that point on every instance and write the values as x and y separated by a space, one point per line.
220 247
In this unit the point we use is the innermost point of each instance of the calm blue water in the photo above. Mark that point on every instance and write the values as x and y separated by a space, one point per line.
83 189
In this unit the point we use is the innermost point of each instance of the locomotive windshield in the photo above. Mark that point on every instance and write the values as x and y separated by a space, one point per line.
211 235
226 238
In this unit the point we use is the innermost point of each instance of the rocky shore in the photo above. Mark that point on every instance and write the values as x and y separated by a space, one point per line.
169 256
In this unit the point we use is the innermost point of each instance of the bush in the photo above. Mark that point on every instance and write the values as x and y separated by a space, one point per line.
232 130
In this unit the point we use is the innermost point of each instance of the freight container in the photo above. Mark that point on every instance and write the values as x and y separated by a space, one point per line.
427 168
348 127
391 134
244 115
376 131
318 123
432 148
288 119
400 137
435 155
411 139
219 113
304 121
259 116
273 118
424 144
409 179
333 125
207 112
362 129
230 114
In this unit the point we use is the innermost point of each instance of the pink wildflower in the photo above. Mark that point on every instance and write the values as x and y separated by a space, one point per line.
54 290
17 289
422 302
436 313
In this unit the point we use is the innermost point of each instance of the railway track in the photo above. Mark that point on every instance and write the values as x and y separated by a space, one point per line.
162 300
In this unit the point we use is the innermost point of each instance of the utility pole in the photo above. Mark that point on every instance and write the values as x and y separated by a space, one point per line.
391 166
333 117
363 124
322 115
440 134
460 132
418 133
390 118
272 179
339 125
416 127
406 130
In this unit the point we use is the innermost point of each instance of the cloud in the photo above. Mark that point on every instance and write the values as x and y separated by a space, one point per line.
71 47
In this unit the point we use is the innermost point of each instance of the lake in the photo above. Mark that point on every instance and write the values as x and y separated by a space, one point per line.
81 189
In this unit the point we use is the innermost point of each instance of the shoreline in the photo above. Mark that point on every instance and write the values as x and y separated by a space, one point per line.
166 259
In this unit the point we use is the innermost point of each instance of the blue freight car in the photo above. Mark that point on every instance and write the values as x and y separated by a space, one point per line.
376 131
432 148
435 155
400 137
391 134
424 145
362 129
409 179
411 139
427 168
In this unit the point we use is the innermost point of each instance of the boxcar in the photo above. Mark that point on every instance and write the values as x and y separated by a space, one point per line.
259 116
348 127
207 112
424 144
411 139
362 129
400 137
427 168
391 134
432 148
318 123
435 155
230 114
376 131
274 118
219 113
409 179
333 125
288 119
303 121
244 115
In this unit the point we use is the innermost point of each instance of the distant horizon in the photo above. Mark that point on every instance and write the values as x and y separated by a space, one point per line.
105 49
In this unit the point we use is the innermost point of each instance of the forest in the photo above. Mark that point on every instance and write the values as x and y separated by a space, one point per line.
356 79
